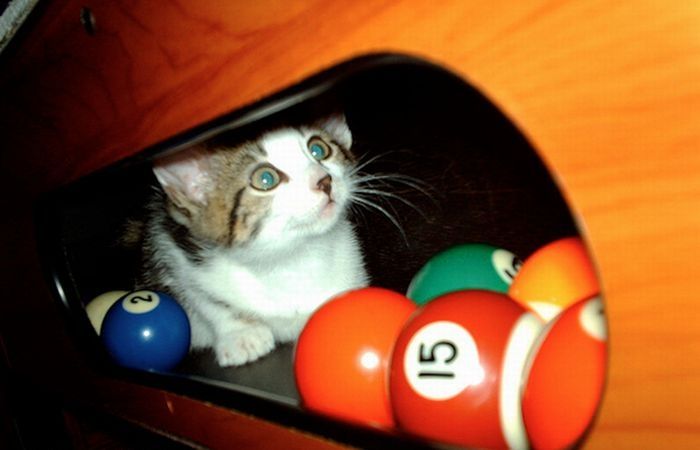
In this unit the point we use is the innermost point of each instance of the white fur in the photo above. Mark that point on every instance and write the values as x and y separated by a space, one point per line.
241 300
280 293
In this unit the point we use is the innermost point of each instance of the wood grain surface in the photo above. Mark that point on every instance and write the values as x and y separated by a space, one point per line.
608 92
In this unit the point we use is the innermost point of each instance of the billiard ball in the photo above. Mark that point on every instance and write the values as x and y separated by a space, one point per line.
567 372
98 307
342 356
466 266
146 330
457 367
554 277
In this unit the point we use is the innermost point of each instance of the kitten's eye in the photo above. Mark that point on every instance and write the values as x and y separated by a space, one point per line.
318 149
265 178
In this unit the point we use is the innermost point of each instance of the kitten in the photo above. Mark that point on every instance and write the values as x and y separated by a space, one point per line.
252 239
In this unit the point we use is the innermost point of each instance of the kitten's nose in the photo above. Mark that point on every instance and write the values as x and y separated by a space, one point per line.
324 184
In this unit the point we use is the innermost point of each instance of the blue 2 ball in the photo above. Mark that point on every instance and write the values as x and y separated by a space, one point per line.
146 330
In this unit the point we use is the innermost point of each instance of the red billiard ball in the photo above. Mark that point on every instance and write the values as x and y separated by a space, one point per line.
457 368
566 376
342 356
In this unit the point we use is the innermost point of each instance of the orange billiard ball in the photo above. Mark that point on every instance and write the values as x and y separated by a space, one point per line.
566 376
342 357
457 369
554 277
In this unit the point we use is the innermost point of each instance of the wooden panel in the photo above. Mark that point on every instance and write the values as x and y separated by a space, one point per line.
607 91
201 423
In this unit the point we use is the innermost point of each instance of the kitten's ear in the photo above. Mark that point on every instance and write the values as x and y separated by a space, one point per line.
185 177
337 126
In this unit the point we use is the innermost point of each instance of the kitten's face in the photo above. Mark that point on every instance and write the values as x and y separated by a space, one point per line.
288 184
303 182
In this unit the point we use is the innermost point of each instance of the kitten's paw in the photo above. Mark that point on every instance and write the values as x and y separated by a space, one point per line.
244 345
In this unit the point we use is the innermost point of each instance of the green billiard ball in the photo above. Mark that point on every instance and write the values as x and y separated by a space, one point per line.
466 266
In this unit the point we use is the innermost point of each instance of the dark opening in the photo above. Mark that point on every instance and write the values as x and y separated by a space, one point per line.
485 183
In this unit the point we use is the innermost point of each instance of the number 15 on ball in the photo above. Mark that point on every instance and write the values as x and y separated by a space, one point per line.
442 360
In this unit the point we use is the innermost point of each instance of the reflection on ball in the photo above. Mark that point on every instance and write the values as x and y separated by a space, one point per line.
146 330
342 355
467 266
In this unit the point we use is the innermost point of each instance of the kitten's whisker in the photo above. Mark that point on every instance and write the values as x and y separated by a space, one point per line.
383 194
414 183
362 164
379 190
357 212
379 187
365 202
386 179
357 169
